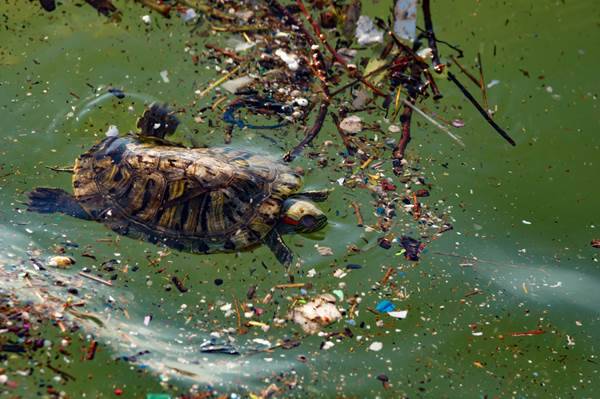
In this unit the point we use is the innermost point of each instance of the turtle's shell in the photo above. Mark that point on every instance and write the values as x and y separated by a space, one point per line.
199 200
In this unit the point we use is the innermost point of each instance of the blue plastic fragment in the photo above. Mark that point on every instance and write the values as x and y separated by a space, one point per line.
385 306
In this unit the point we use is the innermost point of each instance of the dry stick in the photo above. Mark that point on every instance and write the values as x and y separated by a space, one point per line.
335 54
387 276
355 81
482 84
225 52
465 71
240 28
437 65
162 9
98 279
290 285
398 153
434 88
311 134
359 219
435 123
483 113
345 137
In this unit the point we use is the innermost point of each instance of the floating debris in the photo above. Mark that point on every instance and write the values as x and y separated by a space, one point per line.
315 314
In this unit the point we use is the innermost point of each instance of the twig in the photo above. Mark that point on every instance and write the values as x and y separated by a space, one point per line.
355 81
240 28
482 84
98 279
220 81
163 9
290 285
91 351
398 153
435 123
453 47
434 88
225 52
483 113
437 65
63 374
359 218
387 276
465 71
311 134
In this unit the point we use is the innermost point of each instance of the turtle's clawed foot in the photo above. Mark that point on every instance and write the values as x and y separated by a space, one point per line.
51 200
281 251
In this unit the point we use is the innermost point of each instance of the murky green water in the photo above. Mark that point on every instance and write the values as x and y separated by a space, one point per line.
527 214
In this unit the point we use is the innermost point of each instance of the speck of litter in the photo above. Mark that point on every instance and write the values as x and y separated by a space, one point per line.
165 76
376 346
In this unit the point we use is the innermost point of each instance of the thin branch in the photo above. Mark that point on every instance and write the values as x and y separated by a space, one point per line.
482 83
398 153
437 65
355 81
483 112
311 134
437 95
465 71
434 123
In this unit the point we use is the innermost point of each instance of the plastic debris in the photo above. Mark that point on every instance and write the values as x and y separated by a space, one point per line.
315 314
61 261
290 59
405 19
234 85
376 346
366 32
385 306
351 124
399 314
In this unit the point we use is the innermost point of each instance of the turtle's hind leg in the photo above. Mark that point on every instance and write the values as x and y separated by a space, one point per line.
50 200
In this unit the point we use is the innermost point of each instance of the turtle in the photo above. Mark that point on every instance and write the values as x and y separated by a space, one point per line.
198 200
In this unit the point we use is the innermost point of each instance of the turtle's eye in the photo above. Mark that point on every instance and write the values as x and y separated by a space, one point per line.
308 222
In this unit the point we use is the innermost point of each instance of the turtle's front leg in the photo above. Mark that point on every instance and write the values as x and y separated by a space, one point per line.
315 195
50 200
281 251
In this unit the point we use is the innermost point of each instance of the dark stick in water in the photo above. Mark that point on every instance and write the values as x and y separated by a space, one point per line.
437 65
310 135
483 112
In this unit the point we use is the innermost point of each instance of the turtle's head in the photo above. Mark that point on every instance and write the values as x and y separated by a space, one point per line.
302 216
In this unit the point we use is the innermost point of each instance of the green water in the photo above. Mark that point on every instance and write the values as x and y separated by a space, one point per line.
527 213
